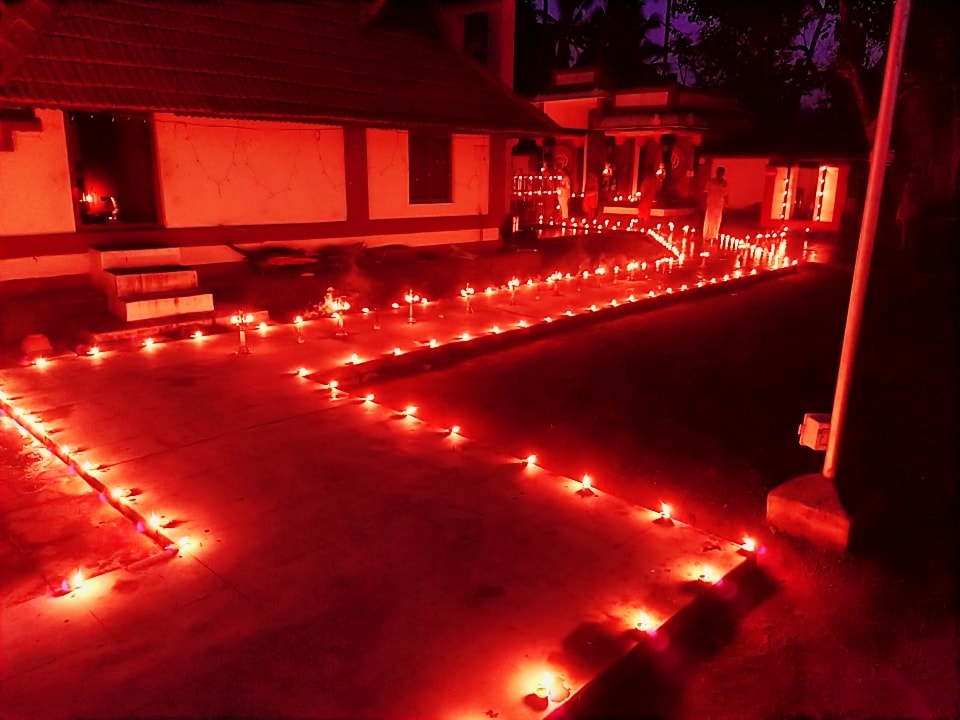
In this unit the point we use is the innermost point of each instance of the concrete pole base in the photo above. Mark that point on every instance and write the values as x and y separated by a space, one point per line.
808 507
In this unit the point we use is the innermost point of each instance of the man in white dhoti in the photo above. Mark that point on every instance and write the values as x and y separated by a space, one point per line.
716 192
563 195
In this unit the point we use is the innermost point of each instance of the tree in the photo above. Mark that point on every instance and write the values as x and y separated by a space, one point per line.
609 35
616 42
765 55
772 56
924 178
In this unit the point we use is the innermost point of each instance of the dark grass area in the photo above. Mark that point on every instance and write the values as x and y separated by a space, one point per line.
699 405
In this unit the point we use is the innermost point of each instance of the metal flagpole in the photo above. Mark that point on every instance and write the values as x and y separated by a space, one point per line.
868 231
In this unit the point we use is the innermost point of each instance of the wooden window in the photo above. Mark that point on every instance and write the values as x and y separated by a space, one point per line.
476 36
431 165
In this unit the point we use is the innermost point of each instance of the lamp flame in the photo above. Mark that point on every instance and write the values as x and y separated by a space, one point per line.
78 579
664 511
154 521
586 481
410 410
302 372
369 397
530 460
749 544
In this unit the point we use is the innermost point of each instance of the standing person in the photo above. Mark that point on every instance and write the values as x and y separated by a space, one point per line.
716 201
590 197
647 192
563 195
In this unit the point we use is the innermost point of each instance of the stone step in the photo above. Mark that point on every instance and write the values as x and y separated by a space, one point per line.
116 331
127 282
158 305
133 257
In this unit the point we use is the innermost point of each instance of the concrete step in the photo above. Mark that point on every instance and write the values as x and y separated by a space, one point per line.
126 282
133 257
114 330
158 305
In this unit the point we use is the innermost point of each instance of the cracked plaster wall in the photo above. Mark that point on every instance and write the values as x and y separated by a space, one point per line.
35 190
237 172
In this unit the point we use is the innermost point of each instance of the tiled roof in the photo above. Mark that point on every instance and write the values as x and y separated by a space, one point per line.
315 61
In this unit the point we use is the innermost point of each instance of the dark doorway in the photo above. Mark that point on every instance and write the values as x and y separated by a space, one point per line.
114 168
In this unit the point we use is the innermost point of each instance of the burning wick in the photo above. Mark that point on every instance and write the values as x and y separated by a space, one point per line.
302 372
530 460
552 687
95 350
706 576
369 398
749 544
78 579
397 351
664 511
455 430
154 521
410 410
543 686
333 384
433 342
587 482
643 623
354 359
197 334
148 342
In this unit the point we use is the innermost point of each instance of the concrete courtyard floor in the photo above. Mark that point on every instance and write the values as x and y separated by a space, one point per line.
336 557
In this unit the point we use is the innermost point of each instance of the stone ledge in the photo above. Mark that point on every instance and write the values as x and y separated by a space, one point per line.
808 507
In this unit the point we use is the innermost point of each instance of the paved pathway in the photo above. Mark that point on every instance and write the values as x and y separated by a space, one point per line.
332 557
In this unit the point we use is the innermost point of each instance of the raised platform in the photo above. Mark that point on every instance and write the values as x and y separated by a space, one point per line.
146 306
809 507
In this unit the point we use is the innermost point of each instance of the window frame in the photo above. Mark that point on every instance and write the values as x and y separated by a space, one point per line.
430 165
74 157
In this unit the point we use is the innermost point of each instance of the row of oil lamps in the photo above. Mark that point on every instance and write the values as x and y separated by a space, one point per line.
117 497
244 321
550 685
